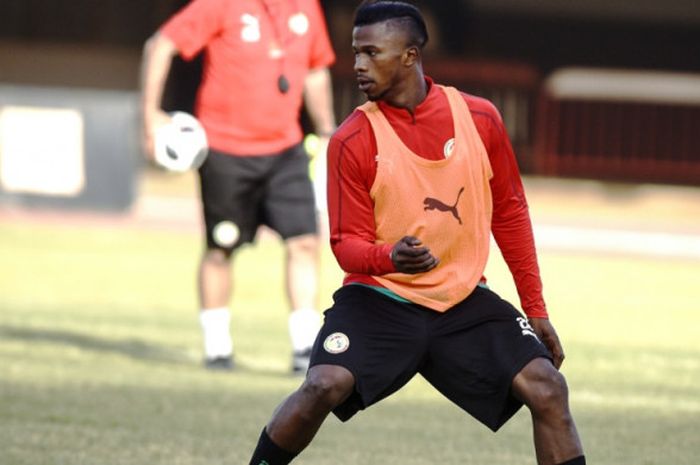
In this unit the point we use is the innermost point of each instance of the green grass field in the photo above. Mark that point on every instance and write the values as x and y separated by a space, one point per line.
100 360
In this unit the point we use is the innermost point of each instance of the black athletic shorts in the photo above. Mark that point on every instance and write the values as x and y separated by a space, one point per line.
471 353
240 193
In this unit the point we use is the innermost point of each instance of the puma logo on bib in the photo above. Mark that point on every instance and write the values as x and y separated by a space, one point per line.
430 203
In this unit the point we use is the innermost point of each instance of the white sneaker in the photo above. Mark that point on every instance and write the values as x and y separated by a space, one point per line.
300 361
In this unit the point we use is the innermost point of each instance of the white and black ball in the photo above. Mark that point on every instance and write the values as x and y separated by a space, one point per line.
181 145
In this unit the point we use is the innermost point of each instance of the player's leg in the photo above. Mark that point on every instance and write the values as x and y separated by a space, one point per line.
290 210
214 278
543 389
302 261
302 258
229 194
214 286
369 347
297 420
481 359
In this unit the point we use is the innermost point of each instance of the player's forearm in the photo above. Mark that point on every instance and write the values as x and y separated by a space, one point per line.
318 97
157 57
515 239
355 255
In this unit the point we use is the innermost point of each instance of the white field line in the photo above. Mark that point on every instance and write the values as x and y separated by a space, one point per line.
655 244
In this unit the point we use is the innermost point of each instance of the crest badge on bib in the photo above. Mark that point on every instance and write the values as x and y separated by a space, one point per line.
449 148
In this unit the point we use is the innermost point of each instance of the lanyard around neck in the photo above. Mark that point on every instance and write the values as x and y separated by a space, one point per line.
280 43
280 39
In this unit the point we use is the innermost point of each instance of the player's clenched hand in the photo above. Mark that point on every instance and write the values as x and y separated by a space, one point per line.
409 256
545 331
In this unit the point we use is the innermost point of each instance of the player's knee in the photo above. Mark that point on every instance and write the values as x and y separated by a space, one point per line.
327 386
307 244
552 392
217 256
543 389
549 398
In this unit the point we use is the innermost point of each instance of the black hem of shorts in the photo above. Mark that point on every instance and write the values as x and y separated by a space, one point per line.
361 404
293 235
511 404
262 182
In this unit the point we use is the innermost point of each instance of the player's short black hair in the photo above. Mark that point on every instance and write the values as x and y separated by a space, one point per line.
377 11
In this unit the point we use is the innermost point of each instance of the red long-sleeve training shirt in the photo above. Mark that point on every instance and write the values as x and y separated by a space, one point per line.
351 173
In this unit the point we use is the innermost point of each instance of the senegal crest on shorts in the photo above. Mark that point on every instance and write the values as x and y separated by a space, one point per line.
336 343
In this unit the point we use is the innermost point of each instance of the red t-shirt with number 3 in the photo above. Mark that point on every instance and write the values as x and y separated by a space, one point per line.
248 44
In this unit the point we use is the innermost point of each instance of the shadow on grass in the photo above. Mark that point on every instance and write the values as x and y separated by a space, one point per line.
134 348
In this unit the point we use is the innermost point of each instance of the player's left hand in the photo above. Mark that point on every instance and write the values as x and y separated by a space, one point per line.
410 256
548 335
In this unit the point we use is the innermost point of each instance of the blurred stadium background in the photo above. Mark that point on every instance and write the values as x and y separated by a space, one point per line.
98 339
595 89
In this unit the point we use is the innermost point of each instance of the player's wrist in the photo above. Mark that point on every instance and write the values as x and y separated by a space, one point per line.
326 130
390 254
537 315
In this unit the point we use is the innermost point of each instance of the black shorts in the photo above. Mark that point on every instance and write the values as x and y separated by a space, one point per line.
240 193
471 353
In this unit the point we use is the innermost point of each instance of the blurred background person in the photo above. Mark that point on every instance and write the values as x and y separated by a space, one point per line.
263 59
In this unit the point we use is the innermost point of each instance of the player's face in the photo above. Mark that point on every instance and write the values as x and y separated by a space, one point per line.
380 50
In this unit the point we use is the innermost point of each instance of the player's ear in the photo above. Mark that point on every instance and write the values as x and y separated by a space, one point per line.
411 56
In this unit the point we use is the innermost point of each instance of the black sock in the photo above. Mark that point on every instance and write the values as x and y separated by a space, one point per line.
269 453
580 460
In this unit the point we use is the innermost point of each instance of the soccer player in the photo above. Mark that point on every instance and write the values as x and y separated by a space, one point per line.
418 179
262 57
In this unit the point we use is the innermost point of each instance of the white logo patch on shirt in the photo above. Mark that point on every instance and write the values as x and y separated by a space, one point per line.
251 28
298 24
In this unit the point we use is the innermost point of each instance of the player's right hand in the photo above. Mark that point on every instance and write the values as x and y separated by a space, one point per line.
409 256
548 335
151 122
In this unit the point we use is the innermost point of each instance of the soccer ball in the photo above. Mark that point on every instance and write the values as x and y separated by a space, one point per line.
181 145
